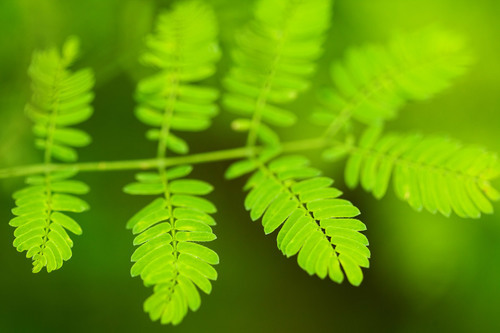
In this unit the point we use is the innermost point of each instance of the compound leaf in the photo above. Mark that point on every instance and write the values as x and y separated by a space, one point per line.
61 98
373 82
315 224
168 232
183 51
274 58
435 173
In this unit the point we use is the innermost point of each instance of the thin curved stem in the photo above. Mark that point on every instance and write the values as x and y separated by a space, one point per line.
148 164
267 87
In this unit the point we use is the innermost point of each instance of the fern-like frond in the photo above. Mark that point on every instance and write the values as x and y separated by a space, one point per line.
315 223
61 98
41 220
274 58
435 173
184 49
169 229
373 82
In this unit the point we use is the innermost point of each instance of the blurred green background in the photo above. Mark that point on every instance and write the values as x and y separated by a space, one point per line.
428 274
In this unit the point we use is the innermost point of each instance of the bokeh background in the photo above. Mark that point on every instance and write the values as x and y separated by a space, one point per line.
428 274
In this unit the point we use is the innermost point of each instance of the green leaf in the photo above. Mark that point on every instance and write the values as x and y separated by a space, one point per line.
144 188
68 203
372 83
71 49
150 208
193 214
148 177
66 222
154 217
199 251
153 232
62 153
336 153
180 171
240 168
40 225
72 137
177 145
190 186
189 124
61 98
71 187
172 100
314 222
278 117
204 205
433 173
149 116
273 61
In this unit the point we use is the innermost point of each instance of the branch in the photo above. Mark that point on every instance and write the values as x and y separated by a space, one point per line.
146 164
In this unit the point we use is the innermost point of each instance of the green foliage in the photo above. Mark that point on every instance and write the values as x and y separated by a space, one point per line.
168 231
373 82
274 58
184 50
60 99
41 221
315 223
435 173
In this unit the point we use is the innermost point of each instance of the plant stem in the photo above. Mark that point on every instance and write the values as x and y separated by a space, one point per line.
147 164
262 100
